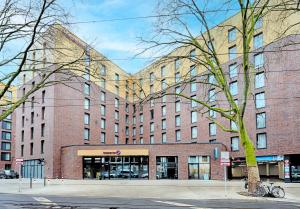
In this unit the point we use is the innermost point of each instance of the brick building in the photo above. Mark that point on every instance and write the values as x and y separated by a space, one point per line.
96 127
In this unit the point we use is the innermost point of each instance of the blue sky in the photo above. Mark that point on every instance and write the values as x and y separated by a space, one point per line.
118 40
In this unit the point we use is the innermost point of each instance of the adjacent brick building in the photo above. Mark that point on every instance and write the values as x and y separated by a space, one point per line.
99 128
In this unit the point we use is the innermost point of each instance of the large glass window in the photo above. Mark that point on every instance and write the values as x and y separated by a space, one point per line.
199 167
261 141
261 120
6 135
193 117
259 80
194 132
233 87
167 167
6 125
212 129
258 41
233 70
258 60
260 100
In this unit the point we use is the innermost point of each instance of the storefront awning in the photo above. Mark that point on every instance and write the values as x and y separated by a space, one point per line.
120 152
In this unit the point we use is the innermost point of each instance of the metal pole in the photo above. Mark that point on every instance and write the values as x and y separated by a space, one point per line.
20 166
44 181
225 179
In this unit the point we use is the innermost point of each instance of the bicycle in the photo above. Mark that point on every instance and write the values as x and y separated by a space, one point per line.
263 190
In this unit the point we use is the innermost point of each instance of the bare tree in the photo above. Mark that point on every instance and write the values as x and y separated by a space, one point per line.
29 34
184 25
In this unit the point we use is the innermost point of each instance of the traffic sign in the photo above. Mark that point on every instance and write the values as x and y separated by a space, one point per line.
19 159
225 160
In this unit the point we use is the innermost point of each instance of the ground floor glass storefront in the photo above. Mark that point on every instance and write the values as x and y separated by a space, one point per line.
33 169
119 167
199 167
167 167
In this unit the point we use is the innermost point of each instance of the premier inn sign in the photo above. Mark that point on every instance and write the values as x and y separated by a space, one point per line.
118 152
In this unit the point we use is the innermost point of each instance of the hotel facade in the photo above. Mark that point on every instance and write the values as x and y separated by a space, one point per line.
106 124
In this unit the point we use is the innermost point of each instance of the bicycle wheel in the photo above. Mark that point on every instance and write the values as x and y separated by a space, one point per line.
278 192
260 191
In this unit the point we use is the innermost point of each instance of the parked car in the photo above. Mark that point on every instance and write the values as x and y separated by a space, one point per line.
106 174
128 174
9 174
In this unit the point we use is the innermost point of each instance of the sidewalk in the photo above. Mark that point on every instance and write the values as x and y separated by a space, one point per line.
158 189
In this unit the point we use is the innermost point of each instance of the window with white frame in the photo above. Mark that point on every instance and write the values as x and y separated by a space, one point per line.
232 53
178 135
163 124
164 99
141 118
177 106
233 87
258 60
87 88
86 119
177 64
260 80
164 138
260 100
86 134
258 41
177 120
232 35
193 53
261 141
211 79
102 110
163 110
116 127
151 139
177 90
212 129
163 84
194 115
141 130
193 70
212 95
177 77
102 96
117 115
193 103
103 137
117 103
116 141
233 70
193 86
141 140
261 120
235 143
152 127
103 123
233 125
194 132
86 104
212 113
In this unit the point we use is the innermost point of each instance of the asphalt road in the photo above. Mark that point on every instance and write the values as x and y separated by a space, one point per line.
16 201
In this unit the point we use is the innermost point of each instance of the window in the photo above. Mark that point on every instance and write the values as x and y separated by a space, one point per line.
86 104
43 96
141 140
177 64
151 127
22 135
43 113
164 138
6 146
193 71
193 53
235 144
193 86
23 107
258 24
133 131
151 139
43 130
42 146
23 121
163 110
232 52
233 87
193 103
212 95
134 141
117 78
177 90
117 91
22 150
31 148
116 127
261 120
126 118
233 125
86 119
163 84
141 130
194 116
32 117
194 132
260 100
258 60
233 70
177 77
117 103
163 71
151 89
102 110
102 96
6 125
177 106
232 35
164 99
127 107
141 118
32 102
86 134
103 137
258 41
86 89
212 113
102 70
116 141
151 75
261 141
177 120
116 115
103 123
134 120
177 134
212 129
102 83
163 124
6 135
31 133
199 167
211 79
259 80
5 156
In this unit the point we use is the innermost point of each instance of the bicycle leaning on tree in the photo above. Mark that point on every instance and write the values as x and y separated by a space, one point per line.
264 189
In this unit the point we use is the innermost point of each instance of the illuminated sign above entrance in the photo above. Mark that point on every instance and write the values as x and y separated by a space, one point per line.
121 152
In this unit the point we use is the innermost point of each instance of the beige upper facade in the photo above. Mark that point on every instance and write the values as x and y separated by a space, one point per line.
70 49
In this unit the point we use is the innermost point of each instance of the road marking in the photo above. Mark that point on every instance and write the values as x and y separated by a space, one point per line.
175 203
44 201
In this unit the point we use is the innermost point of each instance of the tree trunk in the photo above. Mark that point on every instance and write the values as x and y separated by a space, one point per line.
252 168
